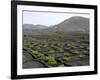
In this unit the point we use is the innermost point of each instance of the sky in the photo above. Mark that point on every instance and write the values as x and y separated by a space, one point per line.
47 18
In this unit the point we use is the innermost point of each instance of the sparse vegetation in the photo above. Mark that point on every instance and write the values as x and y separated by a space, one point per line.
46 51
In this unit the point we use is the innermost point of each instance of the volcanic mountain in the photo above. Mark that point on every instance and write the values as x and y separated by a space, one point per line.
73 24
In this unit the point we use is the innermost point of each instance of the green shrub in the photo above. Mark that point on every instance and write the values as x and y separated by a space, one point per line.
81 56
66 58
51 60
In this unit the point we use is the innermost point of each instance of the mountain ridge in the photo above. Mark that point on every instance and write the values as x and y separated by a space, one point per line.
75 23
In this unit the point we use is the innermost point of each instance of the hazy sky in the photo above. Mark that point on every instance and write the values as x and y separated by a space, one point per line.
47 18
